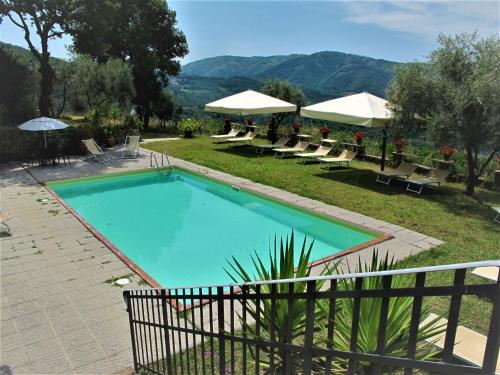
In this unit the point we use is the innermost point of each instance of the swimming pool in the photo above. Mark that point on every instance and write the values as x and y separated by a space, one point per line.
181 228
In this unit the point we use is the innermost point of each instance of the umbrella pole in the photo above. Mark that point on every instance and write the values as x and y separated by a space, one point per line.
45 138
384 149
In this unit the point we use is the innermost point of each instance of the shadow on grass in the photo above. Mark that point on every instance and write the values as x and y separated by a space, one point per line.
246 151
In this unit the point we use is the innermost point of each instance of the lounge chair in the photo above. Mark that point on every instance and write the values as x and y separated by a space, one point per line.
434 179
404 170
260 149
247 138
300 146
469 347
346 156
4 228
497 218
95 151
222 137
131 147
323 150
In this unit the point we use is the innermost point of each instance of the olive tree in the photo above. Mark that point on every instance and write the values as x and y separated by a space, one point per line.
455 98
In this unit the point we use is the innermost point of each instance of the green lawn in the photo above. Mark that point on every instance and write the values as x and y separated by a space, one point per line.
464 223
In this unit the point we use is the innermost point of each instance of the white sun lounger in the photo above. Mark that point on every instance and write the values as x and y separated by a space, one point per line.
346 156
497 218
223 137
404 170
469 345
247 138
95 151
131 147
323 150
434 179
260 149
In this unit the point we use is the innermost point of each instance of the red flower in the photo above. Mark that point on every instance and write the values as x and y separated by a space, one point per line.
447 150
227 118
359 135
249 121
399 142
325 130
297 125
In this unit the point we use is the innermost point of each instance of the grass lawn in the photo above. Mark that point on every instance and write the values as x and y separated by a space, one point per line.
464 223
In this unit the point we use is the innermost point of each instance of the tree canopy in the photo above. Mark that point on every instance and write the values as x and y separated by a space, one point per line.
143 33
454 97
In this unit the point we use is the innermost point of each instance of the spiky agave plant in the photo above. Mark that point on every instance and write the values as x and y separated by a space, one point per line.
398 317
281 266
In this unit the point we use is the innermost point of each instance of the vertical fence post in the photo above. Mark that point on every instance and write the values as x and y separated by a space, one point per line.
415 321
309 334
493 341
382 328
165 329
222 341
451 329
126 296
358 285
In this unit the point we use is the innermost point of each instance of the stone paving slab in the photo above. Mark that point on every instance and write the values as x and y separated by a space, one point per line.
58 313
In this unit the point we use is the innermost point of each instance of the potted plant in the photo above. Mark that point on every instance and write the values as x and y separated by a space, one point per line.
227 124
109 139
399 143
447 152
497 172
296 127
325 131
188 126
359 136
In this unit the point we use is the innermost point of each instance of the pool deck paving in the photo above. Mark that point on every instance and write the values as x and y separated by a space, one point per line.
60 311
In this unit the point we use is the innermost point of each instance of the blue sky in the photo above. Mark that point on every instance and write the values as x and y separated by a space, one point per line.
392 30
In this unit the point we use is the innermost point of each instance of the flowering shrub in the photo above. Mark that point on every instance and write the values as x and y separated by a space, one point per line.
249 121
297 126
227 118
325 130
359 135
447 150
399 143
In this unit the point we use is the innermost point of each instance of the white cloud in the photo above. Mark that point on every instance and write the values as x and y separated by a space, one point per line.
427 18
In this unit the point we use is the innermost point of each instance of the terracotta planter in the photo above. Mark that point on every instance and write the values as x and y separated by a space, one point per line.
325 135
110 142
296 130
497 178
188 134
359 141
446 157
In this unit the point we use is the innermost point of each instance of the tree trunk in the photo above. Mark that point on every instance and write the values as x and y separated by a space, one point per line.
471 171
47 75
145 112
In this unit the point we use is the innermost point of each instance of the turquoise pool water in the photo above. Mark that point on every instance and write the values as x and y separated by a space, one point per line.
181 228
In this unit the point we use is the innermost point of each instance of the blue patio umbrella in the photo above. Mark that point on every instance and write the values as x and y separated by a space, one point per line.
43 124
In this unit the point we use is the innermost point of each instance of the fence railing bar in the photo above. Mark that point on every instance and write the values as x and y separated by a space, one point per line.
257 328
405 271
186 336
330 326
173 335
152 309
272 333
288 337
309 328
166 333
221 322
415 320
430 291
211 326
193 313
179 336
245 291
493 340
132 332
384 310
202 334
358 285
144 342
231 325
453 315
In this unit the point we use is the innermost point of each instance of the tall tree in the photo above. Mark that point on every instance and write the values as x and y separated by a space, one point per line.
141 32
15 91
283 90
48 19
455 97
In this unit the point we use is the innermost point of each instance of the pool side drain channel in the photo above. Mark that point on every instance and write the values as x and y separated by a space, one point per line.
237 188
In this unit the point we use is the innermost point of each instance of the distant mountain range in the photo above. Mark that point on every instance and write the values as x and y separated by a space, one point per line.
321 75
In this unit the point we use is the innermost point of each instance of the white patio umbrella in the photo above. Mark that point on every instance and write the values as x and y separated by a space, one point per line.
359 109
43 124
250 103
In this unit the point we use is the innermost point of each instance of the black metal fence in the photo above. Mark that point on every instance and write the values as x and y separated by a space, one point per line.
291 327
